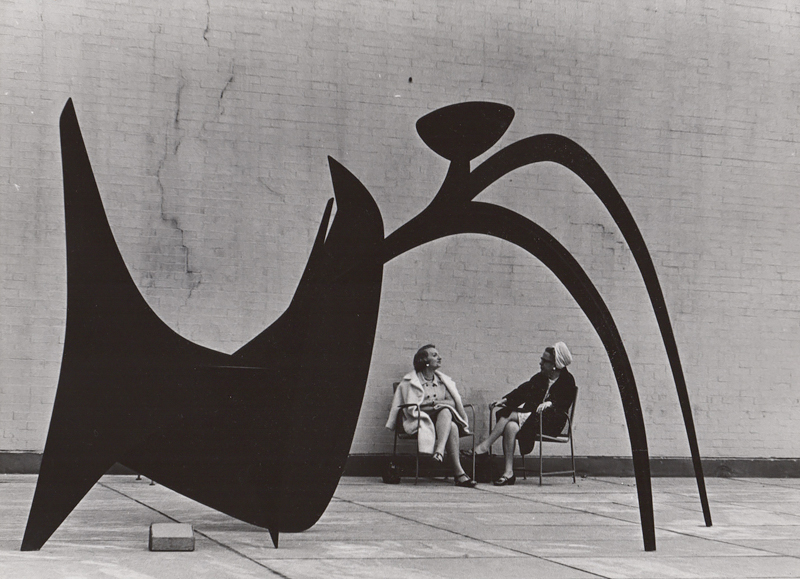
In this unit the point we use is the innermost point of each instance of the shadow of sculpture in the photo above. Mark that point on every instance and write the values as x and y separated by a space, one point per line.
263 434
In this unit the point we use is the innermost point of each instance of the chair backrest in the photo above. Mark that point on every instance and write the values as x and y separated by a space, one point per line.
569 425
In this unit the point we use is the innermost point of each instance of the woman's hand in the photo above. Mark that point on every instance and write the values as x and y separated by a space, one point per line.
496 403
543 406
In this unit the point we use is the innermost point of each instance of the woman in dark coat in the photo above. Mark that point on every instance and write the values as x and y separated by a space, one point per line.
547 396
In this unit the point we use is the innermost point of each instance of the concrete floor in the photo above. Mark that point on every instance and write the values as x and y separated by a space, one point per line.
373 530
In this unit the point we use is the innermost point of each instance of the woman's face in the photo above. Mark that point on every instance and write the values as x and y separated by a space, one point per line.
547 364
434 359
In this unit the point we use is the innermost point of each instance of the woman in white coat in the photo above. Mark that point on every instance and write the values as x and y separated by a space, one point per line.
441 418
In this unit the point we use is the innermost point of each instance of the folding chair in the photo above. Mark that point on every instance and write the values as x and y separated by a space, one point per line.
562 437
400 433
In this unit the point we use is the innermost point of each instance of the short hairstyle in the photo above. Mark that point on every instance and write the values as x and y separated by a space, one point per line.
421 357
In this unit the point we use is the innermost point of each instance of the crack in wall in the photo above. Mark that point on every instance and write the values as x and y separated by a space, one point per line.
281 197
208 22
177 122
193 277
222 94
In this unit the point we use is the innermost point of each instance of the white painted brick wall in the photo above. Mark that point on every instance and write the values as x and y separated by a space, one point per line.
208 124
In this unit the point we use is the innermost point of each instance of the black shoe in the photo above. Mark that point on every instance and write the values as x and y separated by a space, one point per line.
463 480
505 481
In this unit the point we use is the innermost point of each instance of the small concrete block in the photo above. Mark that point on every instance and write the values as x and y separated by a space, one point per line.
171 537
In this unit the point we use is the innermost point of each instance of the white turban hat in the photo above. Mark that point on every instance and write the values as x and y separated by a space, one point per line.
563 357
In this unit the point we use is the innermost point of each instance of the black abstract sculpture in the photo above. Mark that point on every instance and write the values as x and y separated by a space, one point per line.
238 432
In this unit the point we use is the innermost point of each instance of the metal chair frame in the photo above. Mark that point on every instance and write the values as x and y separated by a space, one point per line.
541 438
400 433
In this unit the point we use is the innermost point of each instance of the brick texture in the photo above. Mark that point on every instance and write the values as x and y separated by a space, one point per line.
209 124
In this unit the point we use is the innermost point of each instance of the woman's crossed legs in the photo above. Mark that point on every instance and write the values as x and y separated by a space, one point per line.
447 440
507 427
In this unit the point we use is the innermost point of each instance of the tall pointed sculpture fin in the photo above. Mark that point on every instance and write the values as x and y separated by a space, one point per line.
112 344
336 353
92 258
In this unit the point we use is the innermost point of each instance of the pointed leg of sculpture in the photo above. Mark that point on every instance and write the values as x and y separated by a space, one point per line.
54 500
76 453
274 535
508 225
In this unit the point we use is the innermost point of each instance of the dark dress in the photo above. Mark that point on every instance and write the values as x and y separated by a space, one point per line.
528 396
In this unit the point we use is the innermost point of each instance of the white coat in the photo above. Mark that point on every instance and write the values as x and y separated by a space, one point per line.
410 391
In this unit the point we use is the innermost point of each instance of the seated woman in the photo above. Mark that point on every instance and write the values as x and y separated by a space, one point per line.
547 396
441 418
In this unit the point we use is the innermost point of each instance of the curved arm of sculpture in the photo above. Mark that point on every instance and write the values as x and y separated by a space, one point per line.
503 223
565 152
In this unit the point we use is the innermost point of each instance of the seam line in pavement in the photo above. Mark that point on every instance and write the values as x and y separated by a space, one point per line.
462 535
602 515
664 529
223 545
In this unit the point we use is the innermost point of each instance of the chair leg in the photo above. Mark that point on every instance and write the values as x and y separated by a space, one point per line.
524 468
572 452
490 429
473 457
416 476
541 461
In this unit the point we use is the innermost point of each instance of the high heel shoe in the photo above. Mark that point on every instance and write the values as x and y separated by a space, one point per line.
463 480
505 481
